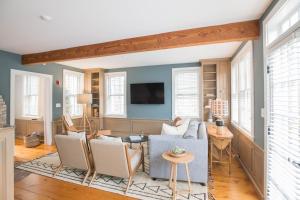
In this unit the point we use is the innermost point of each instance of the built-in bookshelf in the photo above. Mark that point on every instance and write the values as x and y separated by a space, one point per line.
95 84
209 85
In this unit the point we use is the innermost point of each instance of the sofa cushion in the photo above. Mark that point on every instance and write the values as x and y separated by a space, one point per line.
172 130
192 131
201 130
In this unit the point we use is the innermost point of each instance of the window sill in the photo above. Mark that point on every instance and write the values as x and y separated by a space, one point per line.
243 131
116 116
35 118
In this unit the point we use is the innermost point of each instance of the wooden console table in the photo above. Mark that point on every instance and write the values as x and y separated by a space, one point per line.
221 142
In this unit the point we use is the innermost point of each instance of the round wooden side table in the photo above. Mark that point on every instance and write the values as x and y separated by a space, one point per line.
186 159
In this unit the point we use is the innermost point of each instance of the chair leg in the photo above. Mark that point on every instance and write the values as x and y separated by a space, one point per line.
86 176
94 175
129 183
57 170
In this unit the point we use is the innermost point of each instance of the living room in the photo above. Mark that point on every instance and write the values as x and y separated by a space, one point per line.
149 100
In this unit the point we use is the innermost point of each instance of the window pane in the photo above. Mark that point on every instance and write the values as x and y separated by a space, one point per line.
31 91
73 85
241 87
115 94
286 17
283 149
186 92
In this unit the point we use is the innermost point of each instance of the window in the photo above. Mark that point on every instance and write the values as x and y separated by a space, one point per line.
73 85
241 89
283 105
186 92
31 96
115 93
286 17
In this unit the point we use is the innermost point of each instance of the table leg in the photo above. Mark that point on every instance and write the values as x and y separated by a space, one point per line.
188 177
175 180
230 154
171 175
211 156
143 154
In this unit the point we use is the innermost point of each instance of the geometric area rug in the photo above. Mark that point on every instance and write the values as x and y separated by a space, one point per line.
142 187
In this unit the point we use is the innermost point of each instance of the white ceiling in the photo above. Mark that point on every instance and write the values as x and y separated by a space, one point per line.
82 22
160 57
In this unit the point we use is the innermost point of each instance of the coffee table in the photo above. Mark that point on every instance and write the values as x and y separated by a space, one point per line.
127 139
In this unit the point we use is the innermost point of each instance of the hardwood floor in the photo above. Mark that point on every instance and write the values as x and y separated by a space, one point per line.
237 186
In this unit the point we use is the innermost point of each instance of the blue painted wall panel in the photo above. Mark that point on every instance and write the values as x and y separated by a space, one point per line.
151 74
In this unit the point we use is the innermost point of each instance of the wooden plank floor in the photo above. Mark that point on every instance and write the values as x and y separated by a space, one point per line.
237 186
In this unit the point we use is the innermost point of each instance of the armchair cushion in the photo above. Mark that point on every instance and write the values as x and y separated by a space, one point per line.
111 139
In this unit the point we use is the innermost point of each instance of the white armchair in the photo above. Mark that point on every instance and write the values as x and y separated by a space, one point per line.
115 159
72 151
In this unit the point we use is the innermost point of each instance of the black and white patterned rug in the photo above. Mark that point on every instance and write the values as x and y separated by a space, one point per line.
143 187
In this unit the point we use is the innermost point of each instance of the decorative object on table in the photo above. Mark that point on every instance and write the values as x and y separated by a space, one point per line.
210 117
2 112
31 140
135 138
219 109
187 158
177 152
85 99
221 142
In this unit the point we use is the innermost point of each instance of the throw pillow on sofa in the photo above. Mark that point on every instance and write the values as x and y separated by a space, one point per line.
192 131
172 130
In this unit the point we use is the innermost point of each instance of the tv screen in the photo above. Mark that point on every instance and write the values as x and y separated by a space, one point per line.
147 93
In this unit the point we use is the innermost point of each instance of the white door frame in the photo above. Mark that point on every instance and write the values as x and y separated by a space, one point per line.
13 74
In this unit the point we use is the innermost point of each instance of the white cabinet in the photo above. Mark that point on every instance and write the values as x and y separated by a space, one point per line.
7 141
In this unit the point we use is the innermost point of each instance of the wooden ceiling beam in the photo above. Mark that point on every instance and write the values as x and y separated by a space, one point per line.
240 31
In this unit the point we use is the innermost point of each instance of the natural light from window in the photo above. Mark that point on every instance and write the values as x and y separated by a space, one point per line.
186 92
115 93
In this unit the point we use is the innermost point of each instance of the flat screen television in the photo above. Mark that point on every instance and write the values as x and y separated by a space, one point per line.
147 93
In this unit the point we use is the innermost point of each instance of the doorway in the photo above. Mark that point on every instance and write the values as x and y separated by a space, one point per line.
31 103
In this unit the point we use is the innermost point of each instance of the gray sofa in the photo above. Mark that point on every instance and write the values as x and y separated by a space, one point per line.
160 168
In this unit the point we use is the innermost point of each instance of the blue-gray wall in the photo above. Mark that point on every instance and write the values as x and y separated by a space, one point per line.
10 61
151 74
258 74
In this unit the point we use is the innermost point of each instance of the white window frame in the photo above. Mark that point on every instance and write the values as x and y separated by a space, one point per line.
267 47
247 48
186 69
27 97
107 76
81 75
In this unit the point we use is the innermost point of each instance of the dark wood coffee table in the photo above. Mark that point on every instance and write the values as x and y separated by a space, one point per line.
127 139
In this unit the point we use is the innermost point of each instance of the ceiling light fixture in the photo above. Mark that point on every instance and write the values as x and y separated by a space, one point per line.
45 17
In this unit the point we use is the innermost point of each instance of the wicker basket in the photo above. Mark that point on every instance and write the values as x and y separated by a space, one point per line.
31 140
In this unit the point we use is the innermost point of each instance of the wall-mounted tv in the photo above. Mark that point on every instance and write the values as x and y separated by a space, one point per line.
147 93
